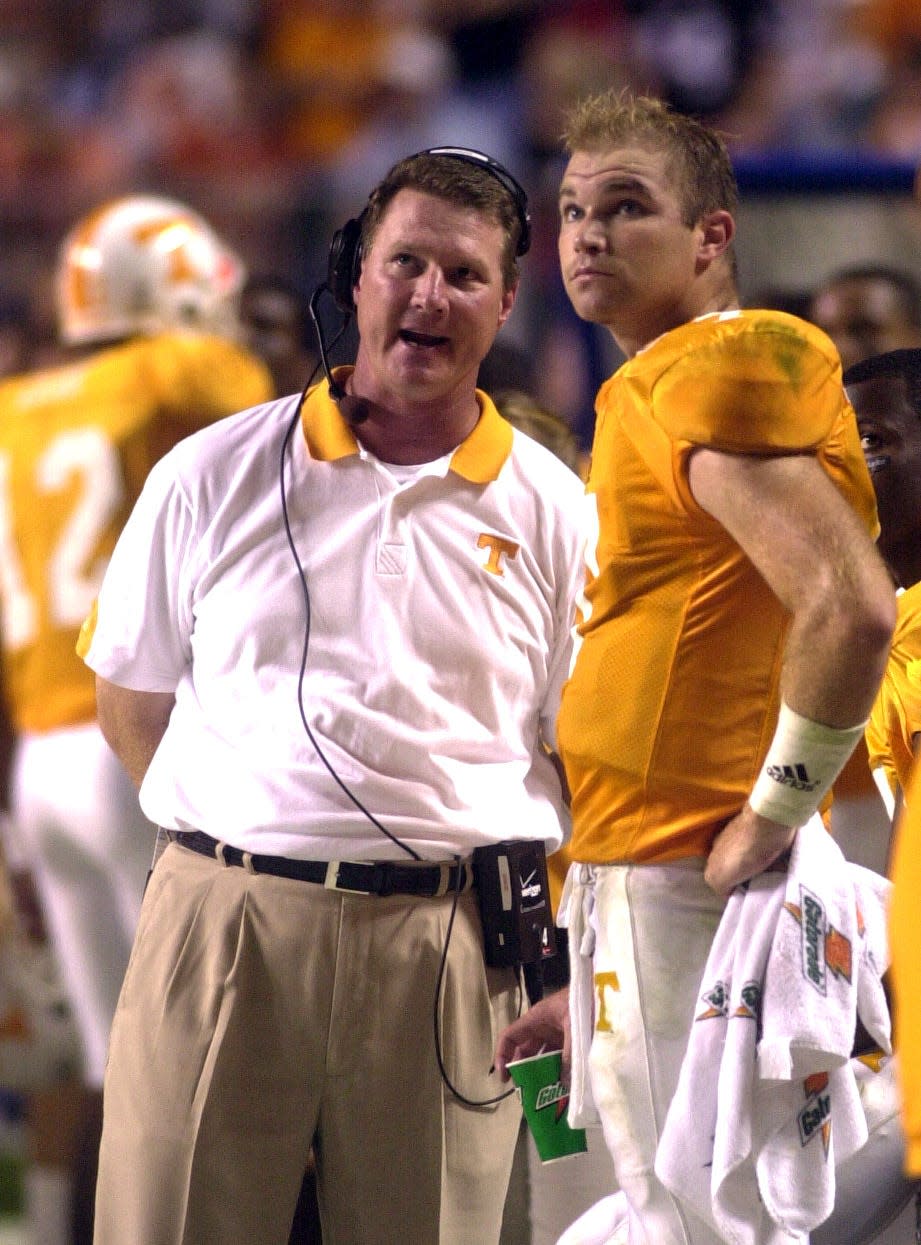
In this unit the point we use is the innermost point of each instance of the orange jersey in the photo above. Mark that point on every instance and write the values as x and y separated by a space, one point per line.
905 934
855 781
76 444
673 699
896 714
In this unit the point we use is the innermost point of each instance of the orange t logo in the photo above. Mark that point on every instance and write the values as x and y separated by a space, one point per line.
174 238
610 979
496 546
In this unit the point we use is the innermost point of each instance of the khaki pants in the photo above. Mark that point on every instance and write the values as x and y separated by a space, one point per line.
260 1014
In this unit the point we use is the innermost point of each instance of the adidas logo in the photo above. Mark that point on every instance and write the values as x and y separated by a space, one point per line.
793 776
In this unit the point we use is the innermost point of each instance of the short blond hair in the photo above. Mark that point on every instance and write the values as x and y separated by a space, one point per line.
697 156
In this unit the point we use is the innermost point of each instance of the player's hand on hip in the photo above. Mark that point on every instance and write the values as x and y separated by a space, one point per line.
545 1026
745 847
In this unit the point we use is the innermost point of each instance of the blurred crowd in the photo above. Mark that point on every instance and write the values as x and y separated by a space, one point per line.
273 117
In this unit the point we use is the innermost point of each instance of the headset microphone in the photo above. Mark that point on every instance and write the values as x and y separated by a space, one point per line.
354 410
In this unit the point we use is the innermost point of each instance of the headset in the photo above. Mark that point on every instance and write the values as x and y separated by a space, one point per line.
344 266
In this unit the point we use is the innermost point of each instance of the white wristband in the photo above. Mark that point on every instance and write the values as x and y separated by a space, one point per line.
803 761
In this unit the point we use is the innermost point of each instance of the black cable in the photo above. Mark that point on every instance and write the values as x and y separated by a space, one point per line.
289 432
313 307
468 1102
404 847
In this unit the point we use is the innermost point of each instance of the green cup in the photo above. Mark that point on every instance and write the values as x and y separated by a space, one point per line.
544 1099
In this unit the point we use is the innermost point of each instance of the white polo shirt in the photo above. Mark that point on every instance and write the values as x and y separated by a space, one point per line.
440 614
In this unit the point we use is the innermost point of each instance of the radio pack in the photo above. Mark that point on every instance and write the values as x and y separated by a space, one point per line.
514 898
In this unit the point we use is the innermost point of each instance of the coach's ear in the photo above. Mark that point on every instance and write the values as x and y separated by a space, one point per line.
508 302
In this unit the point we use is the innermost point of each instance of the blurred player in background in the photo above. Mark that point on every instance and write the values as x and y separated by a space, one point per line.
885 392
868 309
277 327
904 930
530 416
148 298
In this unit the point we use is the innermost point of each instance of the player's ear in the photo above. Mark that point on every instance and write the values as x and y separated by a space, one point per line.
717 229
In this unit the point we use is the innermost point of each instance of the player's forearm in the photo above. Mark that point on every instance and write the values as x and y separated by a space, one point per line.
836 651
834 661
133 723
815 554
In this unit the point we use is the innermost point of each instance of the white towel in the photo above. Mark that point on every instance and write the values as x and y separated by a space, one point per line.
604 1223
768 1060
575 914
814 966
694 1160
872 893
842 956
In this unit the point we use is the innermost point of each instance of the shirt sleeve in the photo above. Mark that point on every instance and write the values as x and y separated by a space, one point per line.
578 533
139 634
766 390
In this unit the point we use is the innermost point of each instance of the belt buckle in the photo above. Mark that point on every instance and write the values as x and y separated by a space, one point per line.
331 881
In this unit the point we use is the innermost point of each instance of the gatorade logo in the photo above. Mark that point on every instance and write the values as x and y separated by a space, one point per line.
552 1095
824 949
715 1001
813 941
749 1005
814 1119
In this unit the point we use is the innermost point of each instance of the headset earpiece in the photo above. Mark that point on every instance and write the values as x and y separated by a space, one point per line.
344 264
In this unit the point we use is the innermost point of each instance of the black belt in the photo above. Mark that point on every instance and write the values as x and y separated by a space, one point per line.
385 877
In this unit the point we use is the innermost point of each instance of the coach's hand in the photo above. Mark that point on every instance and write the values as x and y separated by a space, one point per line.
544 1027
